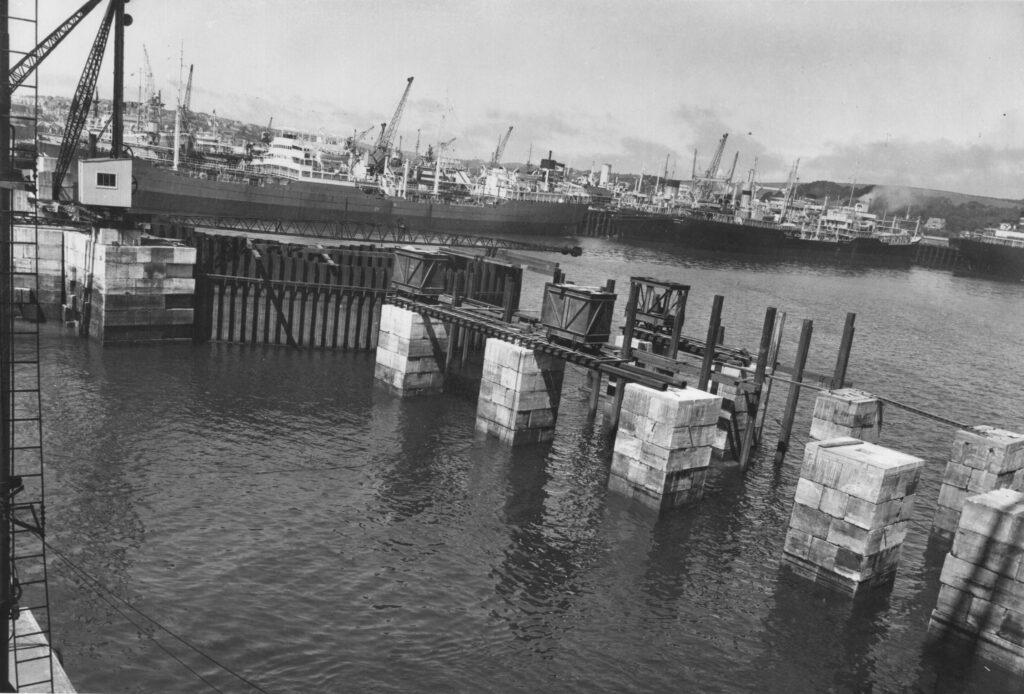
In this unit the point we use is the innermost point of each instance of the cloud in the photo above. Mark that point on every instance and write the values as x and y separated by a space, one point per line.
938 164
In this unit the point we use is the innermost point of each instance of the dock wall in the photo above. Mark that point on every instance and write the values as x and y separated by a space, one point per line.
122 292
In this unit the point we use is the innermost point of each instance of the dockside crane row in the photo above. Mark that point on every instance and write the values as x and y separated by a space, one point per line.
379 156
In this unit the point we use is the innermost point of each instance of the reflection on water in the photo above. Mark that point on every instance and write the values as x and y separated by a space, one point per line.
318 534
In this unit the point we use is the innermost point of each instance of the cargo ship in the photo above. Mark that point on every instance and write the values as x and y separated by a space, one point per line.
288 181
994 252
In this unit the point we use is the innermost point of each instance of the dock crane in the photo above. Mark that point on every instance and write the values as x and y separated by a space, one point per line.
31 60
352 143
502 141
702 184
379 156
732 171
79 108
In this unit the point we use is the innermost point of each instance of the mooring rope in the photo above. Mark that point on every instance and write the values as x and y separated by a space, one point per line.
102 589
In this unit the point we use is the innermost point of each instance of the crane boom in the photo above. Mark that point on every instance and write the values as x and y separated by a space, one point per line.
389 136
24 67
702 185
716 161
732 171
79 108
500 151
186 103
387 133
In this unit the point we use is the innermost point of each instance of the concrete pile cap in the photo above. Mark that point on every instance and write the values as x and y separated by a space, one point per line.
672 407
861 469
988 448
998 515
852 395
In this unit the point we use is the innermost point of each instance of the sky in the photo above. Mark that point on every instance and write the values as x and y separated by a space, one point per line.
925 94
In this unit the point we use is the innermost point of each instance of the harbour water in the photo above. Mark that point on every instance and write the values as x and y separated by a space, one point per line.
311 532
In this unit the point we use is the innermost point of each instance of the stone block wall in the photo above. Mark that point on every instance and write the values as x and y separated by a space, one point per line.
520 391
981 459
981 594
405 354
853 502
138 292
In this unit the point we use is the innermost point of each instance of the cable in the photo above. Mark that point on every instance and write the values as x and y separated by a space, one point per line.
97 584
157 643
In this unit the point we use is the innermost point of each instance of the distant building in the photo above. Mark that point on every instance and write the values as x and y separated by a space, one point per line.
935 224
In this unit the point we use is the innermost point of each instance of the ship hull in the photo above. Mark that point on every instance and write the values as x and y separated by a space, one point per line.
709 234
989 259
159 191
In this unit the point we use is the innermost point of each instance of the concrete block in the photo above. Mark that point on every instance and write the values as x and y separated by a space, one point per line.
998 514
846 412
810 520
808 493
867 515
665 459
987 448
798 543
981 550
861 469
833 502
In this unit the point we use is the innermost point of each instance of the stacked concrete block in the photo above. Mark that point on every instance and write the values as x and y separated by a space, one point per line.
663 444
734 408
982 458
847 412
406 359
853 502
137 292
520 390
981 593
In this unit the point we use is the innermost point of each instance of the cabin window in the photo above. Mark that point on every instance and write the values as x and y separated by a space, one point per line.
106 180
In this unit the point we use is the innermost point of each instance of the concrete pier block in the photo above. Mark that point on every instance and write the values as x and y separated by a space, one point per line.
734 409
520 390
853 502
981 594
663 445
847 412
130 297
406 361
981 459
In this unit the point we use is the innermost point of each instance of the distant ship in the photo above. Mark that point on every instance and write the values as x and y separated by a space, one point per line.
993 252
716 214
843 233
